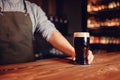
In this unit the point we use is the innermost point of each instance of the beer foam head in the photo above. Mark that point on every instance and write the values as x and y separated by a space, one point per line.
81 34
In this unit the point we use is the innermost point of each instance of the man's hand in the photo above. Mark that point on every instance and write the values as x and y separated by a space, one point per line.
90 57
61 43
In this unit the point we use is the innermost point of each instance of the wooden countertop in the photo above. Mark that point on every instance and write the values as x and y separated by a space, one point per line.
104 67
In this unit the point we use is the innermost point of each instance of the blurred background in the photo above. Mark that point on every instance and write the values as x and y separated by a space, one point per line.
100 17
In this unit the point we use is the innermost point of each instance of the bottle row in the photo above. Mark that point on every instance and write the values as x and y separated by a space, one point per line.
104 40
95 8
58 19
93 23
61 23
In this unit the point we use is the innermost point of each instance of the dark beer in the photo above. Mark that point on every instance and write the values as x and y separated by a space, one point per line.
81 45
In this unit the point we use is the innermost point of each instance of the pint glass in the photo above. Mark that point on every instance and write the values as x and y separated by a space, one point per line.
81 45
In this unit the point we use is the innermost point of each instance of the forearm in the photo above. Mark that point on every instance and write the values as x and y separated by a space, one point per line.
59 42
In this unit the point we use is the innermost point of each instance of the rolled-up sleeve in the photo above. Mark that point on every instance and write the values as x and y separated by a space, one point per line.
43 25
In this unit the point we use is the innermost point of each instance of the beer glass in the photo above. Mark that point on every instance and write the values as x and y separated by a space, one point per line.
81 45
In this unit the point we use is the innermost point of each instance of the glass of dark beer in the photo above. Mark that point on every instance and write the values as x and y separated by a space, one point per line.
81 45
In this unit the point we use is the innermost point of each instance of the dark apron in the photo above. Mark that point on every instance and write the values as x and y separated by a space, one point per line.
15 38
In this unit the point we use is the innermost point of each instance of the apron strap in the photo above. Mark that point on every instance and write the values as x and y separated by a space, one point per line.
1 8
25 7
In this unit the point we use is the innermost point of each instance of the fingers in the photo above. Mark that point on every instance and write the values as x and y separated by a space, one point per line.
73 58
90 57
73 55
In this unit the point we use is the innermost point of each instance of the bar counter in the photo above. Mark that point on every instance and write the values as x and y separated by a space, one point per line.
106 66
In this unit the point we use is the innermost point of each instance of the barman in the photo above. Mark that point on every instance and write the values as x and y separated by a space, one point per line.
18 21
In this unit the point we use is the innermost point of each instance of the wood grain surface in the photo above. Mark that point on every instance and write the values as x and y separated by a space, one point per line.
106 66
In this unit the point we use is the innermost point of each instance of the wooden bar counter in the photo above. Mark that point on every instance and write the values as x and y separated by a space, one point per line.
106 66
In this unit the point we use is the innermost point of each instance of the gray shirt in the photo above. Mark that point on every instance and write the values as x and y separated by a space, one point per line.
38 17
